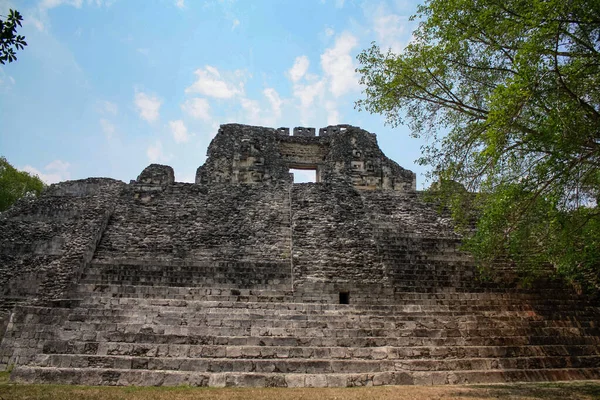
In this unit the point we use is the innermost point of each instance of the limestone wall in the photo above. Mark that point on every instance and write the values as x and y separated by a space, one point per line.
217 234
46 242
243 224
250 154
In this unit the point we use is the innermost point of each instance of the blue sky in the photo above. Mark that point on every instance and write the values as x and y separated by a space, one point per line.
106 87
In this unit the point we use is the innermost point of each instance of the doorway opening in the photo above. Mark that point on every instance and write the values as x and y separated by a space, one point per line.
304 175
344 298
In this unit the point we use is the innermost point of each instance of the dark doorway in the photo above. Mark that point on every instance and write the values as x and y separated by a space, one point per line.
344 298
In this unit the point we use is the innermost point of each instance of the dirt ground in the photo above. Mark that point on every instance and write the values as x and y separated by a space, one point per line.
554 391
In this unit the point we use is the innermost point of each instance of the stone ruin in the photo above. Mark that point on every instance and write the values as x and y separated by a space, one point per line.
247 279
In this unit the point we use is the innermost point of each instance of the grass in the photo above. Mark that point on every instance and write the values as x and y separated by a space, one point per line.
529 391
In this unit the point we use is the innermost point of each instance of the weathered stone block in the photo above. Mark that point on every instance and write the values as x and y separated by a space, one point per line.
156 174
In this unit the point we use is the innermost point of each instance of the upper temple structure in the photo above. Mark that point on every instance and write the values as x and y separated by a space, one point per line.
245 278
342 153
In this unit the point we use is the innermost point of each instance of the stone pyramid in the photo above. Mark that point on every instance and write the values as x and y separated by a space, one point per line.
247 279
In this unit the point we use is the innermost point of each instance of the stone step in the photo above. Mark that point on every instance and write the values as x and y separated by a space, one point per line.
274 293
302 366
371 309
452 304
120 377
184 281
170 334
551 362
296 310
282 327
284 293
114 306
148 292
200 314
21 347
267 352
308 365
264 318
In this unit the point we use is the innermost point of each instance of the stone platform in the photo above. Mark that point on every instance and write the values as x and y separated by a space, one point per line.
247 279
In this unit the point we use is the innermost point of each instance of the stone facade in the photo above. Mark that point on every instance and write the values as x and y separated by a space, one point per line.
251 154
246 279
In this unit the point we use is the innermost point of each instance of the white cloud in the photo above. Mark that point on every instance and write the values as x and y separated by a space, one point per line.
308 92
333 116
179 131
107 107
211 83
180 3
391 31
197 108
36 22
257 113
59 166
338 65
274 100
108 128
299 68
253 111
56 171
155 153
148 106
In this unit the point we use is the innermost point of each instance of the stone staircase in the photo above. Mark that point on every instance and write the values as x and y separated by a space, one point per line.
202 303
174 335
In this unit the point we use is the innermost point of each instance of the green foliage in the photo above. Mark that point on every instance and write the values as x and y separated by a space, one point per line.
508 95
9 40
16 184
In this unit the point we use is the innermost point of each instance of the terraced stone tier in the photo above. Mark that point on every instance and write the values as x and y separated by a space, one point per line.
449 338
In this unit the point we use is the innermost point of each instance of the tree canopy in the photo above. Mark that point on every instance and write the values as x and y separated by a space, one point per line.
15 184
507 92
9 40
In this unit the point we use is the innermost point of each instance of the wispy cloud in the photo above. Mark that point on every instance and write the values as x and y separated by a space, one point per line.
393 31
108 128
275 101
299 68
338 64
156 153
107 107
148 106
179 131
198 108
210 83
56 171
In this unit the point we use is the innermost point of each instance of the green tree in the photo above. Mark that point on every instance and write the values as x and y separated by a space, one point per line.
15 184
9 40
507 92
